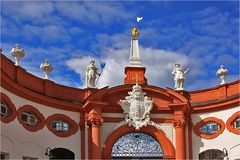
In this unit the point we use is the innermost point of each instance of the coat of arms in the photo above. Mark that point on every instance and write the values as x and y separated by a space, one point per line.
137 107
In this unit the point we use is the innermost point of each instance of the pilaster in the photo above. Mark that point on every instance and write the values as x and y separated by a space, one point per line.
94 124
82 132
179 125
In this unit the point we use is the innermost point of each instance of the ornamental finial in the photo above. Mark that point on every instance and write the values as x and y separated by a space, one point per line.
17 53
222 73
135 32
46 68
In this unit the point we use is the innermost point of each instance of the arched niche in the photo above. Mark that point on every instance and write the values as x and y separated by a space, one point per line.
61 153
213 154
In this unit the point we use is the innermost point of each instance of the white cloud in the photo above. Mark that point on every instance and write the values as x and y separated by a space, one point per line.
202 44
79 65
94 12
28 10
159 64
47 34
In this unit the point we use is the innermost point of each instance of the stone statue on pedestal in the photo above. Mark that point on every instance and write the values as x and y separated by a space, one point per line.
179 76
137 107
91 75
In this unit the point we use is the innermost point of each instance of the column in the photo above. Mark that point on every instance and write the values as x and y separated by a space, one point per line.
179 126
95 141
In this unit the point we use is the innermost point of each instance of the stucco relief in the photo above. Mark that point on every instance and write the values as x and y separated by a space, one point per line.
137 108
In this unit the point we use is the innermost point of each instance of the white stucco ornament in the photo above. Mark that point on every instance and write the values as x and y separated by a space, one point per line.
137 108
17 54
46 68
222 73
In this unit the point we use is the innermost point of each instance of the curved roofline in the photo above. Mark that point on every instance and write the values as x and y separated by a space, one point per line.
212 88
41 86
18 81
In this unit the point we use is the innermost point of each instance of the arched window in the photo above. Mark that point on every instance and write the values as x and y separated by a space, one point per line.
61 153
137 145
213 154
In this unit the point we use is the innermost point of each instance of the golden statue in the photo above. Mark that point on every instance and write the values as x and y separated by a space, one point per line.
135 32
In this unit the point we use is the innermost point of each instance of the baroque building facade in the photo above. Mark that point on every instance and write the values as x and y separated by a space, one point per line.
41 119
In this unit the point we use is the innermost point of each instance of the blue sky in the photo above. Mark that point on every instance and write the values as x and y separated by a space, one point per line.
198 35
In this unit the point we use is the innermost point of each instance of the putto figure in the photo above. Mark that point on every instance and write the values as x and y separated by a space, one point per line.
91 75
179 76
137 107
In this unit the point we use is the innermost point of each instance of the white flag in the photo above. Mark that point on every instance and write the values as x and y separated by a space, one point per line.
139 19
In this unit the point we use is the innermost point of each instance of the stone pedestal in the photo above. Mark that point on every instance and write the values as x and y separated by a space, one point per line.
135 75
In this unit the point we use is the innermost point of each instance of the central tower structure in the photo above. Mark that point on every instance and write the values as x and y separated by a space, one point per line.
135 71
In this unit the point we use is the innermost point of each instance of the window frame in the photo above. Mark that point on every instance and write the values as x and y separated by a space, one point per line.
29 158
61 126
203 122
237 122
6 155
230 121
4 105
30 116
73 127
12 108
211 126
39 115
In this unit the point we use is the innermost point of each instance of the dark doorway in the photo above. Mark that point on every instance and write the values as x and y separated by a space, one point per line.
213 154
61 153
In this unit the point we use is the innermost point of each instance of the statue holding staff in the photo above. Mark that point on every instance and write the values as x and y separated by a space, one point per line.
179 76
91 74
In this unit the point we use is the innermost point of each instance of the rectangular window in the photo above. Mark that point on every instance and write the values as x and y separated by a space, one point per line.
4 155
60 126
4 109
29 158
210 128
29 119
236 123
24 117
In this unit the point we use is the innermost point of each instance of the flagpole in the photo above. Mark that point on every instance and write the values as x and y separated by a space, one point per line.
99 75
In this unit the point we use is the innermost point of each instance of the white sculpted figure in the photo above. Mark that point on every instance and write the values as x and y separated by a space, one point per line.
91 75
179 76
222 73
137 107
